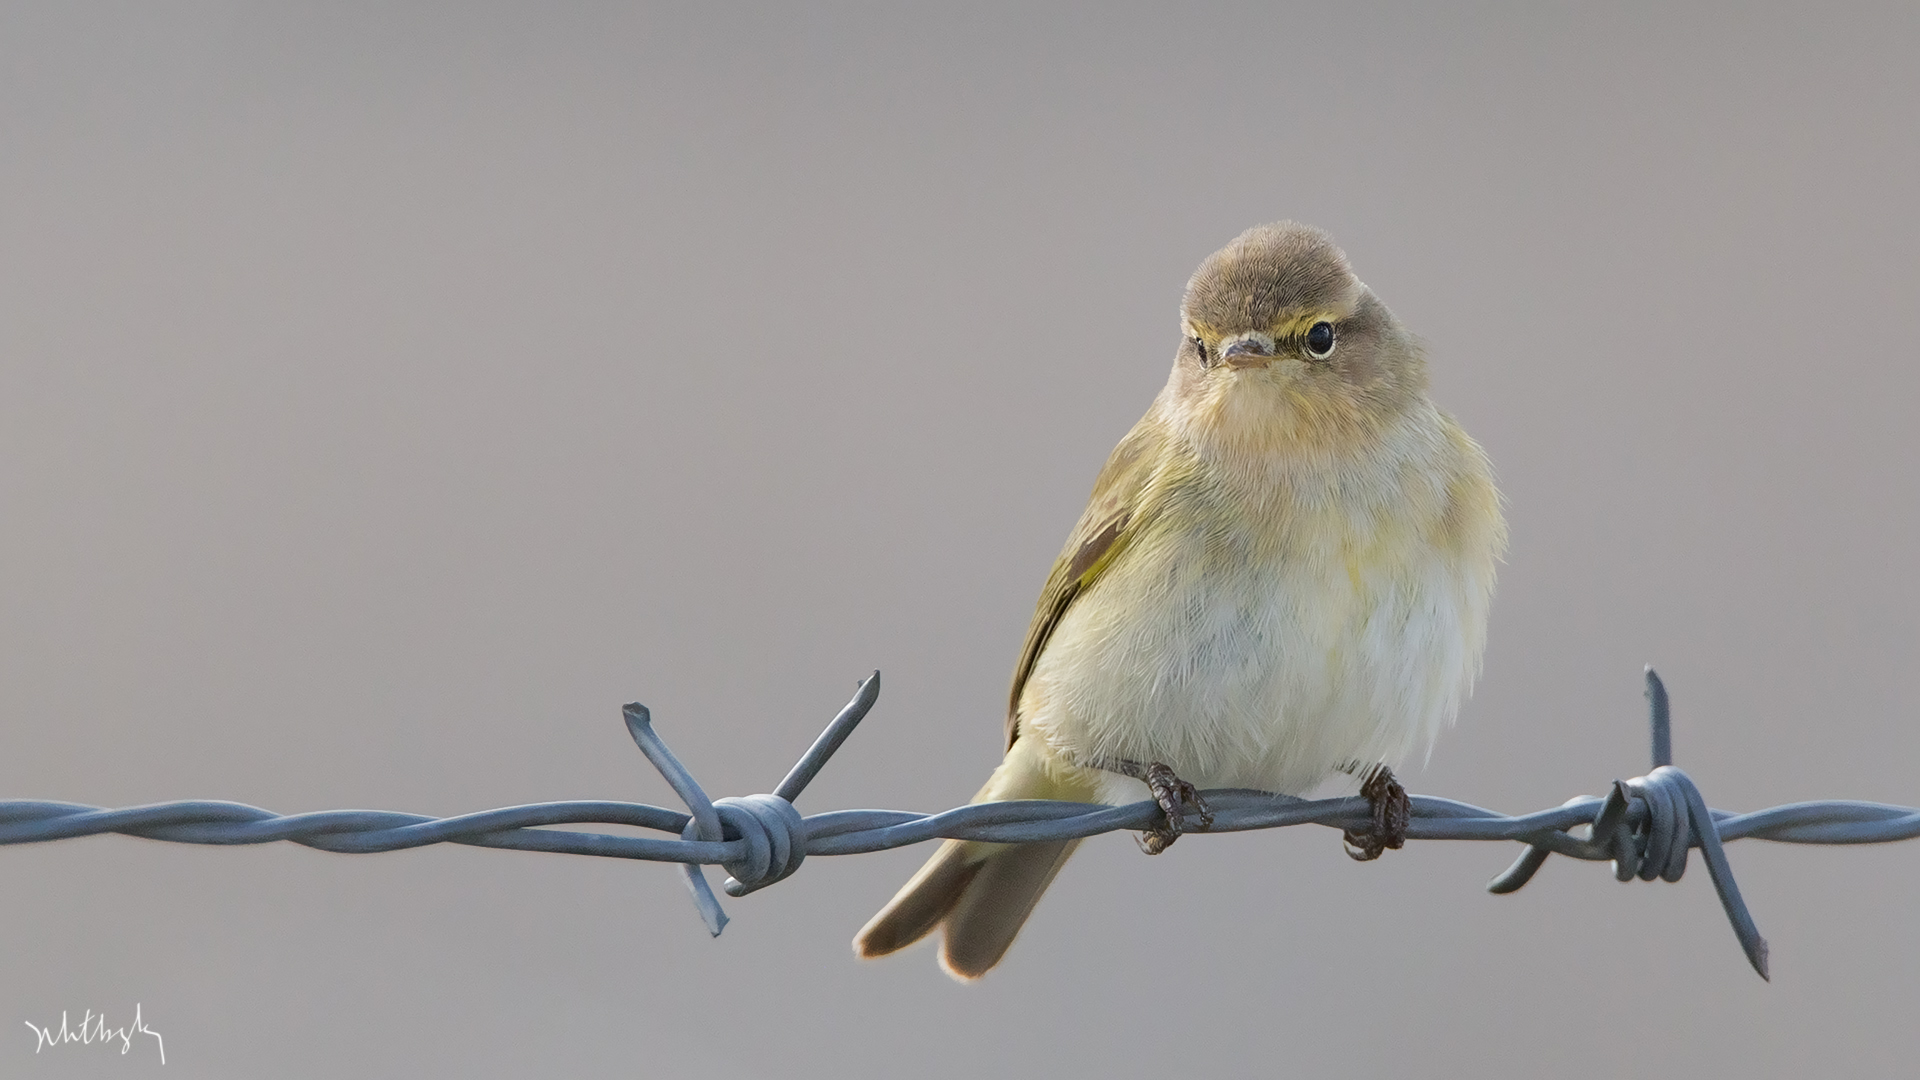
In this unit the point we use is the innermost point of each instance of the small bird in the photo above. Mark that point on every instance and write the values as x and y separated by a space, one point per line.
1283 574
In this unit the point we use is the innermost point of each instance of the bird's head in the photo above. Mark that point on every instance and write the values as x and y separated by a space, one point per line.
1285 350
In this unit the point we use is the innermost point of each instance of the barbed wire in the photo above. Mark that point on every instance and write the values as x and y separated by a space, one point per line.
1645 826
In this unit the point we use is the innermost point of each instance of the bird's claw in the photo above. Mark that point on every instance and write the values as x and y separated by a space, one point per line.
1391 813
1174 796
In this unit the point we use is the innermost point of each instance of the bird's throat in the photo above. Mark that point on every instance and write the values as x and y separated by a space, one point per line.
1264 422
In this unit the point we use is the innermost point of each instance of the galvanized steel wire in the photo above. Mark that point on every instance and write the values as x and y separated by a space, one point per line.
1645 826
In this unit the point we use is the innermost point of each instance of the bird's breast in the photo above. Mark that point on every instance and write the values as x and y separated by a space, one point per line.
1267 643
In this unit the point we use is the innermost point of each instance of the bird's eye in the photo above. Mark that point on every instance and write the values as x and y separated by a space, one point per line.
1320 340
1200 346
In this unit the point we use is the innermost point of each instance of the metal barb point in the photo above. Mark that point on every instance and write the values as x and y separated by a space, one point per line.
706 821
1659 719
836 733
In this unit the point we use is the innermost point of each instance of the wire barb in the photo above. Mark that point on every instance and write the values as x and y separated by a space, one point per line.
1645 826
773 832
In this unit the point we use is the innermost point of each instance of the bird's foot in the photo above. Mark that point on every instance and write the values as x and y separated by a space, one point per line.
1391 813
1174 796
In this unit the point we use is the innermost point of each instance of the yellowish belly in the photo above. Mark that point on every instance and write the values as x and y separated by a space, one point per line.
1244 663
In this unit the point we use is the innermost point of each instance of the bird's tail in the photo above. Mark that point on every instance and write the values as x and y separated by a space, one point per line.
982 893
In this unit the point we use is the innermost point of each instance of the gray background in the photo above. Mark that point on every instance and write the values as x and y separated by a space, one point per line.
388 394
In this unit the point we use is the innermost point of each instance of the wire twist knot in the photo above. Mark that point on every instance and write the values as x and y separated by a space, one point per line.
774 833
1652 843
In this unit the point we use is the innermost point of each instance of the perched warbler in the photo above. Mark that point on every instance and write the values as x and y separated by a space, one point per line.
1283 573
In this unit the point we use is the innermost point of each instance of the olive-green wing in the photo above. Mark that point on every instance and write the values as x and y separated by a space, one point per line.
1113 515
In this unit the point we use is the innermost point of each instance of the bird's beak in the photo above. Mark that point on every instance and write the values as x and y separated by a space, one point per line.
1247 350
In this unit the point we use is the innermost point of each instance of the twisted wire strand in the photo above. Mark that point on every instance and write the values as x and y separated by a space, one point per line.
1645 826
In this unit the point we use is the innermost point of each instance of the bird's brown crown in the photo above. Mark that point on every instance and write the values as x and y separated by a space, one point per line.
1268 278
